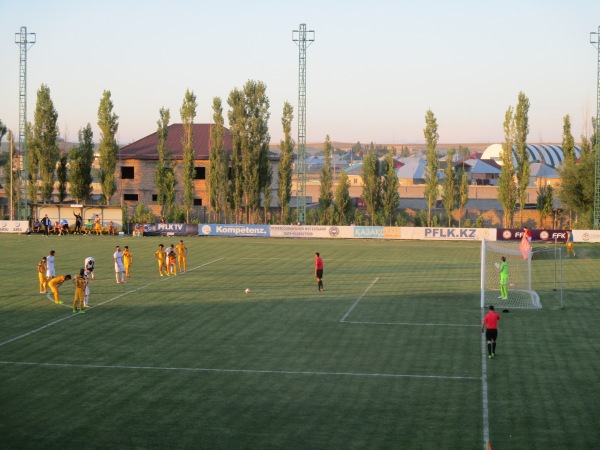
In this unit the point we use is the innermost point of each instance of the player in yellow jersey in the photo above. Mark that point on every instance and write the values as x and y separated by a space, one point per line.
79 297
181 256
42 275
55 283
160 257
127 260
171 262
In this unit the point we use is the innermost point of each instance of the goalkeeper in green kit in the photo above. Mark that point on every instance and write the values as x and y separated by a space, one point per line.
503 278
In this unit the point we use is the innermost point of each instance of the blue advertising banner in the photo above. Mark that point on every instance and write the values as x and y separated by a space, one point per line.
233 230
516 234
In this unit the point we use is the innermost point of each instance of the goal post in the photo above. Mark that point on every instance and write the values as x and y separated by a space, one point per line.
525 275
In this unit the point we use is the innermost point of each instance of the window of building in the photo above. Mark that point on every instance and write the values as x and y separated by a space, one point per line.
130 197
199 173
127 172
154 197
197 202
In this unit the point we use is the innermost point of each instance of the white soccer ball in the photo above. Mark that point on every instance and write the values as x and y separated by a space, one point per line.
497 265
247 291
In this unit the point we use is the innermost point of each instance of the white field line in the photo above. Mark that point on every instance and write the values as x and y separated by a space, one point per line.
359 299
484 389
413 323
249 371
100 304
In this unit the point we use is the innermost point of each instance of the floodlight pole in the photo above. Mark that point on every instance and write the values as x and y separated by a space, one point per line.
595 41
25 41
302 37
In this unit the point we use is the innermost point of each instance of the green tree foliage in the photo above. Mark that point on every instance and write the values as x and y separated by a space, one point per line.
256 163
45 140
544 202
32 165
266 179
507 187
449 195
343 201
405 152
326 180
108 122
463 193
164 176
248 120
219 161
62 176
521 131
371 175
188 113
578 180
81 158
285 162
390 198
3 131
433 163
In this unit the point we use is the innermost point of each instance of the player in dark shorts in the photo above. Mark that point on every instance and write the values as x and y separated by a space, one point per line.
319 272
490 325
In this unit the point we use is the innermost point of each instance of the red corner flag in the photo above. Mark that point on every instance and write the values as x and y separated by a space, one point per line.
525 246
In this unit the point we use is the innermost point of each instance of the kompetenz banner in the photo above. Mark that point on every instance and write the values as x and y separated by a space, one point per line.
234 230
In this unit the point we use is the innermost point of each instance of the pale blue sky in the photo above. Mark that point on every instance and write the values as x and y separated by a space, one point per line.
373 71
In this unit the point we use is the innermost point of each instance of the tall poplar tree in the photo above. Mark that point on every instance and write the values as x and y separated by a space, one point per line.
521 132
81 159
164 178
326 180
108 122
390 198
238 137
371 175
62 176
343 201
433 163
188 113
45 140
449 195
463 193
33 165
219 161
11 173
285 162
507 187
256 164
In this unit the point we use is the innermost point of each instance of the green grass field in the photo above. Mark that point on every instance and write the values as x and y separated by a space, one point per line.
389 356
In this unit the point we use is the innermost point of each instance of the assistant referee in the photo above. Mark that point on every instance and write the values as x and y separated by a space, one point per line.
490 325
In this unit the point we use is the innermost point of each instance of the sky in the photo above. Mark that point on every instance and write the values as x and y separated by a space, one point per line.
373 70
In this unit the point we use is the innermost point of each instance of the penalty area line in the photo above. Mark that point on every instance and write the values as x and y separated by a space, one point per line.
99 304
249 371
413 324
343 319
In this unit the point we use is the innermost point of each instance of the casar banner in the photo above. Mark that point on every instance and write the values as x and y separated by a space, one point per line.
13 226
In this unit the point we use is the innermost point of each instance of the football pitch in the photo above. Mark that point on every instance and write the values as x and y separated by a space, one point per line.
389 356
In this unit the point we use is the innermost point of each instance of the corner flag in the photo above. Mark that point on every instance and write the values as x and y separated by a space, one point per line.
525 247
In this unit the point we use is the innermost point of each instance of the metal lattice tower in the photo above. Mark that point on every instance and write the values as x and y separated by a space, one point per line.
595 40
25 41
303 38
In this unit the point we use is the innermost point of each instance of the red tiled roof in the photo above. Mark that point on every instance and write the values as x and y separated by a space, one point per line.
145 148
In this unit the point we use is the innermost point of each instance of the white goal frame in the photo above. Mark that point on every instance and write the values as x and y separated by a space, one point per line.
521 294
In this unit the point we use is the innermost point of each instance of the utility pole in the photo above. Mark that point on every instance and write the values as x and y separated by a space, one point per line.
25 41
595 41
302 37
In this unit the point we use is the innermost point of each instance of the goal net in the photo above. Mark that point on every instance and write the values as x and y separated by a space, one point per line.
526 276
